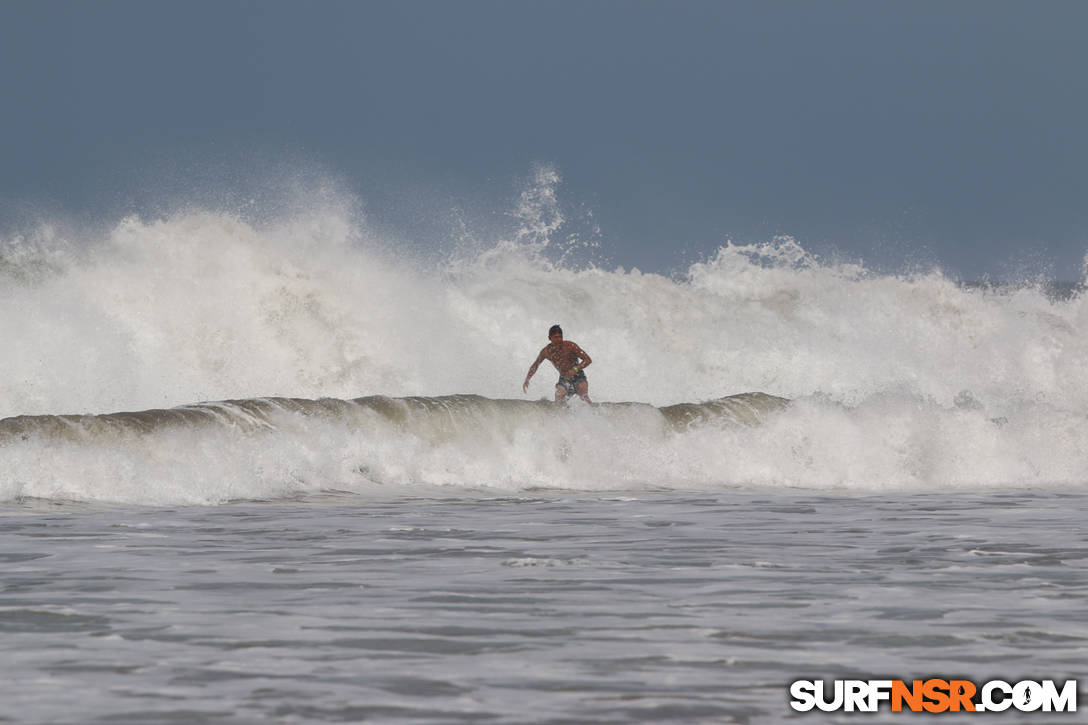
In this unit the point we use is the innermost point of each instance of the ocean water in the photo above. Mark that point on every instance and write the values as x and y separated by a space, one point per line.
282 470
545 607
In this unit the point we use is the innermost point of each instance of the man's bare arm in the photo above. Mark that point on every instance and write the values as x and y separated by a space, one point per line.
532 370
585 359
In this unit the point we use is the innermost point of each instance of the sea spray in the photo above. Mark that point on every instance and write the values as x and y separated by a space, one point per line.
204 306
901 381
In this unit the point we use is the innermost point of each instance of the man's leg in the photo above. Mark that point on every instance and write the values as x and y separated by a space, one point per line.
583 390
560 393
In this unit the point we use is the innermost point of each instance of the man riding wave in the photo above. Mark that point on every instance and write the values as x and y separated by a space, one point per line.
571 362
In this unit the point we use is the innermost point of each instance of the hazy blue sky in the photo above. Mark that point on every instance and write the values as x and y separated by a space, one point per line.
898 132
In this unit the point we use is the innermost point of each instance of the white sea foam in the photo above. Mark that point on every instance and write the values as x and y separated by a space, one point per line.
898 381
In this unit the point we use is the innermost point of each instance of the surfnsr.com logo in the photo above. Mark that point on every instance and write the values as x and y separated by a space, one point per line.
933 695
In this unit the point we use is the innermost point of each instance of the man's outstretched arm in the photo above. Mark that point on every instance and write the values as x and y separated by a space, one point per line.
532 371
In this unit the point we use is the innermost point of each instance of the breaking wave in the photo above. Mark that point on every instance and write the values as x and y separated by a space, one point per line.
895 381
269 447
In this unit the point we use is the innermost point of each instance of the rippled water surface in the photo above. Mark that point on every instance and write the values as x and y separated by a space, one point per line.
548 607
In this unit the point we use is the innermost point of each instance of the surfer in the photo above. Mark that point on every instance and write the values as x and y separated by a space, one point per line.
571 362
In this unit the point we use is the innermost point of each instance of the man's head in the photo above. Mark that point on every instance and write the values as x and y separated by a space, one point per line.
555 333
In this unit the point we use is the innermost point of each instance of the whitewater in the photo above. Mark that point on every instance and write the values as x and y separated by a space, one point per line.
281 468
895 381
